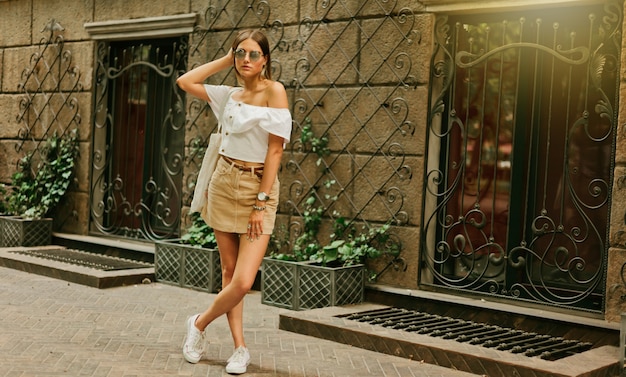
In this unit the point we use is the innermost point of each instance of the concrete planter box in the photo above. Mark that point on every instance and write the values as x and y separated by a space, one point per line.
303 285
187 266
17 231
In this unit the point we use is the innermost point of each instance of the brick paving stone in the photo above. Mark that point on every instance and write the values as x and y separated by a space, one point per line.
50 327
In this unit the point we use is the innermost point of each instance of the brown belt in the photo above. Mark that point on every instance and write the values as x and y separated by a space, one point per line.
258 170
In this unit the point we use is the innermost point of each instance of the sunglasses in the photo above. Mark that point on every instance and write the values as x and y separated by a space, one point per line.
240 54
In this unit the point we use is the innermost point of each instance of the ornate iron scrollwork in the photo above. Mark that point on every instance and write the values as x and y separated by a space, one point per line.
514 207
375 189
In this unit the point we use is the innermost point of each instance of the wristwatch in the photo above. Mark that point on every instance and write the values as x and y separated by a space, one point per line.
262 197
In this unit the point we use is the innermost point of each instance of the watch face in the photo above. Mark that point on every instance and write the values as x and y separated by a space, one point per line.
262 196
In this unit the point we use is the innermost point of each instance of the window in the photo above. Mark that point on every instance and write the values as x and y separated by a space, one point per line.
138 139
523 131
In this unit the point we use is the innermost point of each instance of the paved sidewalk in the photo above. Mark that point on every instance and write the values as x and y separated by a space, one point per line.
50 327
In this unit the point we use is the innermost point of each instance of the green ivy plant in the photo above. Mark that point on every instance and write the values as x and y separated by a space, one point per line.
36 192
3 199
306 244
317 145
355 249
199 233
346 246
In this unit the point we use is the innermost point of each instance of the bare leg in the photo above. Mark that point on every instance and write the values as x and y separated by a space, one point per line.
229 249
249 258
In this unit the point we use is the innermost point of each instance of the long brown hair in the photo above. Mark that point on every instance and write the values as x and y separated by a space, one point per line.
261 39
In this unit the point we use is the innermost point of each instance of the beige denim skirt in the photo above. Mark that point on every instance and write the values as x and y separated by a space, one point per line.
230 197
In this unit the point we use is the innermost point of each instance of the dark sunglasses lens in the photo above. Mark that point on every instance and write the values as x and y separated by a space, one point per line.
240 54
255 55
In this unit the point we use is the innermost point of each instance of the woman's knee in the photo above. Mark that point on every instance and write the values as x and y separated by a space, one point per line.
227 273
241 286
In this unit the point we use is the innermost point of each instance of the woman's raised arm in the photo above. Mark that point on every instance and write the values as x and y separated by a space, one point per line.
192 82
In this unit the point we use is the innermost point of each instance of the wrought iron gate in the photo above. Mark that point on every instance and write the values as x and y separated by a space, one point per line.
138 139
520 142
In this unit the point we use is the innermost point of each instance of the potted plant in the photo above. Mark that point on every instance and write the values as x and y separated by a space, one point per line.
37 190
192 261
311 273
320 274
3 210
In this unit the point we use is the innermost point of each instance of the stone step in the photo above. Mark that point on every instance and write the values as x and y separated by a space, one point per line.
330 324
117 247
77 266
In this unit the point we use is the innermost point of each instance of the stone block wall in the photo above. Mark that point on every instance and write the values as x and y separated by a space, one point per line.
21 26
357 55
22 32
22 37
616 271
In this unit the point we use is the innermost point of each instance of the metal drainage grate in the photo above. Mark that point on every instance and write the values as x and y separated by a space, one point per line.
85 259
530 344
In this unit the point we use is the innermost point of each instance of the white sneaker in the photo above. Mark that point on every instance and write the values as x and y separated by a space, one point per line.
194 342
239 361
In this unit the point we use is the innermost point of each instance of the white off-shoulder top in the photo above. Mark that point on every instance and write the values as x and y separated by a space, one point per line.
246 128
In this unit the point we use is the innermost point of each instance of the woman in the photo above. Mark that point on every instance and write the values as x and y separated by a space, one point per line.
243 193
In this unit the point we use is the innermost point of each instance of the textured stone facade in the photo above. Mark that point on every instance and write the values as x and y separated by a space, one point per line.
21 26
616 271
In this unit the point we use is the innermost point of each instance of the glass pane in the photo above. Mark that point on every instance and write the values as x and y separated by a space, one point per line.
517 203
139 139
